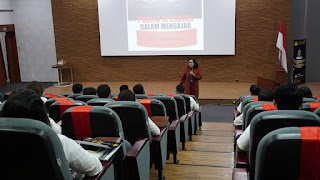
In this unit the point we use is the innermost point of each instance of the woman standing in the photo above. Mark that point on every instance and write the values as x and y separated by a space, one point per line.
190 78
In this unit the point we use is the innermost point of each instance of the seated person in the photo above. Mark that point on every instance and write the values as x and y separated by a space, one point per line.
89 91
287 97
306 92
77 88
127 95
194 106
38 88
138 89
124 87
27 104
254 90
264 95
104 91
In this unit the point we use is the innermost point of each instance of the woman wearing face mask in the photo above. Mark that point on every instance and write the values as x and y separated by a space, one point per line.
190 78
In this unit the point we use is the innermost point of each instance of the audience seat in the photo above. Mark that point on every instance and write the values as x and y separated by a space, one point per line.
80 122
289 153
99 101
191 116
56 99
134 118
141 96
67 94
174 129
86 98
265 122
57 108
33 151
1 106
183 118
310 106
73 96
317 112
304 100
248 100
1 98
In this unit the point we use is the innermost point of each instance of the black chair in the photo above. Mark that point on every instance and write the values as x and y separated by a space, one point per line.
31 150
285 154
86 98
174 129
99 101
310 106
57 108
67 94
305 100
191 116
183 118
141 96
265 122
317 112
56 99
134 118
74 96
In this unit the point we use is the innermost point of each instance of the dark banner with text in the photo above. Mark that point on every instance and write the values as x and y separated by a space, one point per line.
299 61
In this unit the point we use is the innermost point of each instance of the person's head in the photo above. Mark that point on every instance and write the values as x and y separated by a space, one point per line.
192 63
36 86
138 89
306 92
124 87
126 95
266 95
103 91
77 88
25 103
180 89
288 97
89 91
254 89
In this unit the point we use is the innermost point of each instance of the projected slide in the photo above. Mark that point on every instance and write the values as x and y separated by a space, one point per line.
166 27
157 25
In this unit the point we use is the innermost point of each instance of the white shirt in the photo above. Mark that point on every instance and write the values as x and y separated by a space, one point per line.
79 160
244 139
194 105
43 99
239 108
56 127
154 129
239 120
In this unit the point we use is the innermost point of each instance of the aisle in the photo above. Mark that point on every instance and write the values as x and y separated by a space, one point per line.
208 156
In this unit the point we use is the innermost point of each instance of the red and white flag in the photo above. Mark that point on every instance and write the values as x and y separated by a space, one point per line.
282 49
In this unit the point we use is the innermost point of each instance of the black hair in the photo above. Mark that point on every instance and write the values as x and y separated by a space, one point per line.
36 86
180 88
306 92
138 89
266 95
25 103
288 97
126 95
103 91
196 65
77 88
124 87
89 91
254 89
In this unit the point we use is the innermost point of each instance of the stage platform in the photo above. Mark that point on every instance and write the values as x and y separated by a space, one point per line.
210 92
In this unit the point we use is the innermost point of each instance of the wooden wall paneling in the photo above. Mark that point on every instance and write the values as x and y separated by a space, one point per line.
76 28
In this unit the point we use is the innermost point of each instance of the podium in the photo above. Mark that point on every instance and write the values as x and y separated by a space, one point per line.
61 68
